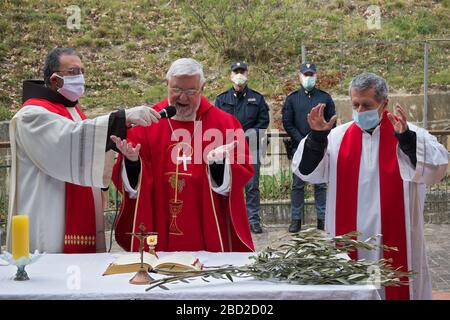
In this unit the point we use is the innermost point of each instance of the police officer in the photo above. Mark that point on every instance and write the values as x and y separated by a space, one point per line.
250 108
295 110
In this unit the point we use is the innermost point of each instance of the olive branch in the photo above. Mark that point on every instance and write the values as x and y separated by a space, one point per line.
307 258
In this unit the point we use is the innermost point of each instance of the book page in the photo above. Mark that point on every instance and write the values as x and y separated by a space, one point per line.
136 258
166 265
177 258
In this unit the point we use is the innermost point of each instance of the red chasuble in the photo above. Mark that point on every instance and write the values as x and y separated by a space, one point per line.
175 198
392 206
80 209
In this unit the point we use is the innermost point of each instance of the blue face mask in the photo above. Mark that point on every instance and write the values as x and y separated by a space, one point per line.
309 82
366 120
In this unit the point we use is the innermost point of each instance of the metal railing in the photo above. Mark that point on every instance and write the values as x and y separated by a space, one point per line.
277 211
337 55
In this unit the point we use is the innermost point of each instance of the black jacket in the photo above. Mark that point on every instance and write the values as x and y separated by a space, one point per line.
296 108
248 106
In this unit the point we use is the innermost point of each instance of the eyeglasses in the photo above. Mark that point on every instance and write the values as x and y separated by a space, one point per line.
72 71
188 92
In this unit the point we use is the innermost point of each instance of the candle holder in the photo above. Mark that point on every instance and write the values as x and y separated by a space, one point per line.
152 241
21 263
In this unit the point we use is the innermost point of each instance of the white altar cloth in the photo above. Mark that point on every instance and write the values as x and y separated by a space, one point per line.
79 276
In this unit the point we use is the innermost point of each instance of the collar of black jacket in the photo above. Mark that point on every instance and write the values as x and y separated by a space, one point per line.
37 89
311 92
242 93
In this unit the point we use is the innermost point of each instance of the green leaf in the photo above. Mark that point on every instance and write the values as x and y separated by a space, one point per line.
229 277
356 276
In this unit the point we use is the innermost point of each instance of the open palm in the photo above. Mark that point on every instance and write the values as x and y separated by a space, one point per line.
316 119
398 121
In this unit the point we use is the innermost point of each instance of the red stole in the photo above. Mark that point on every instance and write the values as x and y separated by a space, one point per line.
80 233
392 207
207 221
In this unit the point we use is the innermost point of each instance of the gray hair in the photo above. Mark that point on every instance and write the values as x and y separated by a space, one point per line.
52 61
368 80
186 67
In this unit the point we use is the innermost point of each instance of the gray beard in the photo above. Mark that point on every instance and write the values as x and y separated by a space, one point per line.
184 115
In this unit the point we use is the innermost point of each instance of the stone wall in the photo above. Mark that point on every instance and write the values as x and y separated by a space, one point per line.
438 109
279 212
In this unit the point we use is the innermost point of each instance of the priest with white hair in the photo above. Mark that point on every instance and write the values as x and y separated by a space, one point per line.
184 177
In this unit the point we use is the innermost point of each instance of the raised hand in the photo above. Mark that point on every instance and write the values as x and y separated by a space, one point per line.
141 116
317 121
127 149
218 154
399 120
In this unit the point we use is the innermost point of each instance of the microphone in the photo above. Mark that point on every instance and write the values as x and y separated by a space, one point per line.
168 112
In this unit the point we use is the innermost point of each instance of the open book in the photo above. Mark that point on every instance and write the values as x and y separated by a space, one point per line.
172 263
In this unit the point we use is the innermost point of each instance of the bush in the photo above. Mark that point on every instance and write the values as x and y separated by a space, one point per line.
252 30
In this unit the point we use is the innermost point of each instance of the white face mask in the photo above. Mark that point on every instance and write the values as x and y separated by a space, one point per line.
73 87
239 79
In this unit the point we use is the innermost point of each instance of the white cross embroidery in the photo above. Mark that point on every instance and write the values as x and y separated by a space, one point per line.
184 158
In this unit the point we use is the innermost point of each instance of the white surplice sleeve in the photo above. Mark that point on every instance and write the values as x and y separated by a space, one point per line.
63 149
132 193
320 173
432 159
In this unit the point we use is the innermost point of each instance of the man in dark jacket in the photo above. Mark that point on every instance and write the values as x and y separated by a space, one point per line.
295 111
250 108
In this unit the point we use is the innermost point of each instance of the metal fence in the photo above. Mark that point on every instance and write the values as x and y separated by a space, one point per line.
276 187
421 61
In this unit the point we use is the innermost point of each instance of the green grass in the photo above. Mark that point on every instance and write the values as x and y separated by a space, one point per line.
127 46
5 113
442 76
279 186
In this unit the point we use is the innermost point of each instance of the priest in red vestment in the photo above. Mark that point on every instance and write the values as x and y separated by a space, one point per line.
377 168
184 177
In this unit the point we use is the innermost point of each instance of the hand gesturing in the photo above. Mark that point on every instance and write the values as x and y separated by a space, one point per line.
399 121
126 148
218 154
317 121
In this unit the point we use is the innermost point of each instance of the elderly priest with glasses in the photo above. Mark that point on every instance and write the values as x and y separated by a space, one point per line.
184 177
